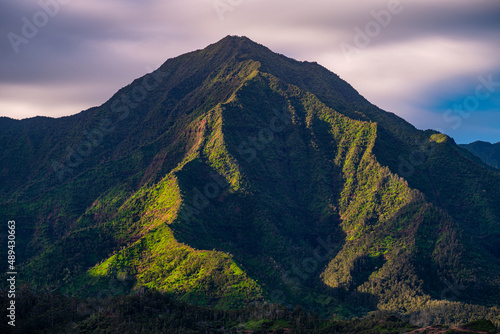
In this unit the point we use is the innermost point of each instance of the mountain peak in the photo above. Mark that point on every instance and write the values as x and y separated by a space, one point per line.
232 173
237 45
234 40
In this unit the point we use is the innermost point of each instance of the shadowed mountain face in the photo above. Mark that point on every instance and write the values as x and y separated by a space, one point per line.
233 175
489 153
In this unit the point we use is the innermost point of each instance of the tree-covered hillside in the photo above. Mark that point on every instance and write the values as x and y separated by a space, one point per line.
489 153
235 177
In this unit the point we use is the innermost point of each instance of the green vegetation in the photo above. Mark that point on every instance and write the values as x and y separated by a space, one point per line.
247 179
489 153
152 312
480 325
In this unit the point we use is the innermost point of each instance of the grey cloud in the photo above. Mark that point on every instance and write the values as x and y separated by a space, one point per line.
112 42
462 20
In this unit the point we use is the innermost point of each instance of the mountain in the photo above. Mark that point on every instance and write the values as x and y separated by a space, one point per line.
489 153
236 177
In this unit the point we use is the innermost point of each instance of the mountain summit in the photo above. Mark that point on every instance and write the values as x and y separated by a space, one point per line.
234 176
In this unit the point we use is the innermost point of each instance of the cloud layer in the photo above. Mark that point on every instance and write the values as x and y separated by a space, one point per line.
418 59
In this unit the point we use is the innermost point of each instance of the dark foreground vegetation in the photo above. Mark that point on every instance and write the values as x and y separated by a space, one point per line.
148 311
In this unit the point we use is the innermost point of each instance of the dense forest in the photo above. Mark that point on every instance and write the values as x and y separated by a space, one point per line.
489 153
234 178
152 312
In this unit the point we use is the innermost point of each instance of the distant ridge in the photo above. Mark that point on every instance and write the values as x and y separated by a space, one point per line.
488 152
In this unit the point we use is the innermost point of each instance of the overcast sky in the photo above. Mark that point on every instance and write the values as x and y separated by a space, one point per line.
434 63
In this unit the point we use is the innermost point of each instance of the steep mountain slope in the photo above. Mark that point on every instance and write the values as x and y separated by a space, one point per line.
233 175
488 152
